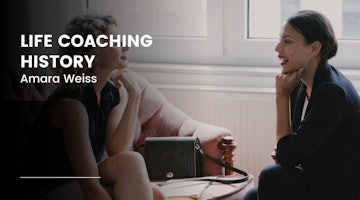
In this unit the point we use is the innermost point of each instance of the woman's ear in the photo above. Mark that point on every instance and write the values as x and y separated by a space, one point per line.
316 47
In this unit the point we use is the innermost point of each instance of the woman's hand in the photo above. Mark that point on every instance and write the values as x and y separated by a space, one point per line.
127 79
286 83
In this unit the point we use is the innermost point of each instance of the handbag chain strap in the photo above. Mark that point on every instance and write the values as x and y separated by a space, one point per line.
225 165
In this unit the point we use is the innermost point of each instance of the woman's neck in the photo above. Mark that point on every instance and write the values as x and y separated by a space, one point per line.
308 76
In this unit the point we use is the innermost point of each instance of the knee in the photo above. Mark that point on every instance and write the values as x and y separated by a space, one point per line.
269 175
251 194
130 159
131 156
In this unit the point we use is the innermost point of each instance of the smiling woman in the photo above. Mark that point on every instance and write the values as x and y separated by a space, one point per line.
324 112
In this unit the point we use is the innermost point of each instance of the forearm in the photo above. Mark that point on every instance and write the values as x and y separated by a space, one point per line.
84 165
282 117
285 83
124 133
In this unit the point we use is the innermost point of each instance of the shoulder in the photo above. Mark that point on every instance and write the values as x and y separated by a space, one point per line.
332 80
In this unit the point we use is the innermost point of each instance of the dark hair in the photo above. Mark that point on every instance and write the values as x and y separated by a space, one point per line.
315 26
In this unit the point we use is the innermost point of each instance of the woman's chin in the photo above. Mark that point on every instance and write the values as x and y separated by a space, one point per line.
286 70
122 65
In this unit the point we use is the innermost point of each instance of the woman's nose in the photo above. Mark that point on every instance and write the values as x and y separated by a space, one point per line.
124 49
277 47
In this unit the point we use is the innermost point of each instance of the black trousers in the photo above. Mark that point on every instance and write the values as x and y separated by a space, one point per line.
280 183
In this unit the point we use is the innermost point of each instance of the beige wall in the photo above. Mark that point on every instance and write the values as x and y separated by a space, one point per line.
250 115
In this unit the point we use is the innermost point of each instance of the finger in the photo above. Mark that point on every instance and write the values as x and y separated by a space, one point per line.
121 71
118 84
117 80
280 75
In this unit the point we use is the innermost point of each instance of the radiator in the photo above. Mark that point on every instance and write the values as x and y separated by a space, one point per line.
250 115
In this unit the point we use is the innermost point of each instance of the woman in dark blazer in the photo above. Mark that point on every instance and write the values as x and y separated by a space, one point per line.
317 121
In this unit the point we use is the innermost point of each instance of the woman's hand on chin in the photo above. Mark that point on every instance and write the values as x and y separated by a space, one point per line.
286 82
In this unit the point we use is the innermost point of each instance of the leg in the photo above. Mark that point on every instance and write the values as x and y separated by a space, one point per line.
158 195
127 175
282 183
251 194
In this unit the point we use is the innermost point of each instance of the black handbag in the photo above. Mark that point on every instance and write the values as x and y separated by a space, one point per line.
180 157
172 157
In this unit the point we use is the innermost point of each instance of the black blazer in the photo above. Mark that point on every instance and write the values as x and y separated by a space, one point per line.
326 143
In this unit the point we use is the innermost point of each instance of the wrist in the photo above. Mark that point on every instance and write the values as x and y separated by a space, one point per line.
134 96
282 95
282 99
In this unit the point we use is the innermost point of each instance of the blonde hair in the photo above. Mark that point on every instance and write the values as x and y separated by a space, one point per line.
84 25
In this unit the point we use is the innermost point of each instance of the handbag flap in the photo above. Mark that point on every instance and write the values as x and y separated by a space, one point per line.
172 157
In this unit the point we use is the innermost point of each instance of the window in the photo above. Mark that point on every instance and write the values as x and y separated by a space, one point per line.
213 41
184 31
263 21
343 14
240 33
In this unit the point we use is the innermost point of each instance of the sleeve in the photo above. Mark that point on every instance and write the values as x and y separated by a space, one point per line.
325 112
